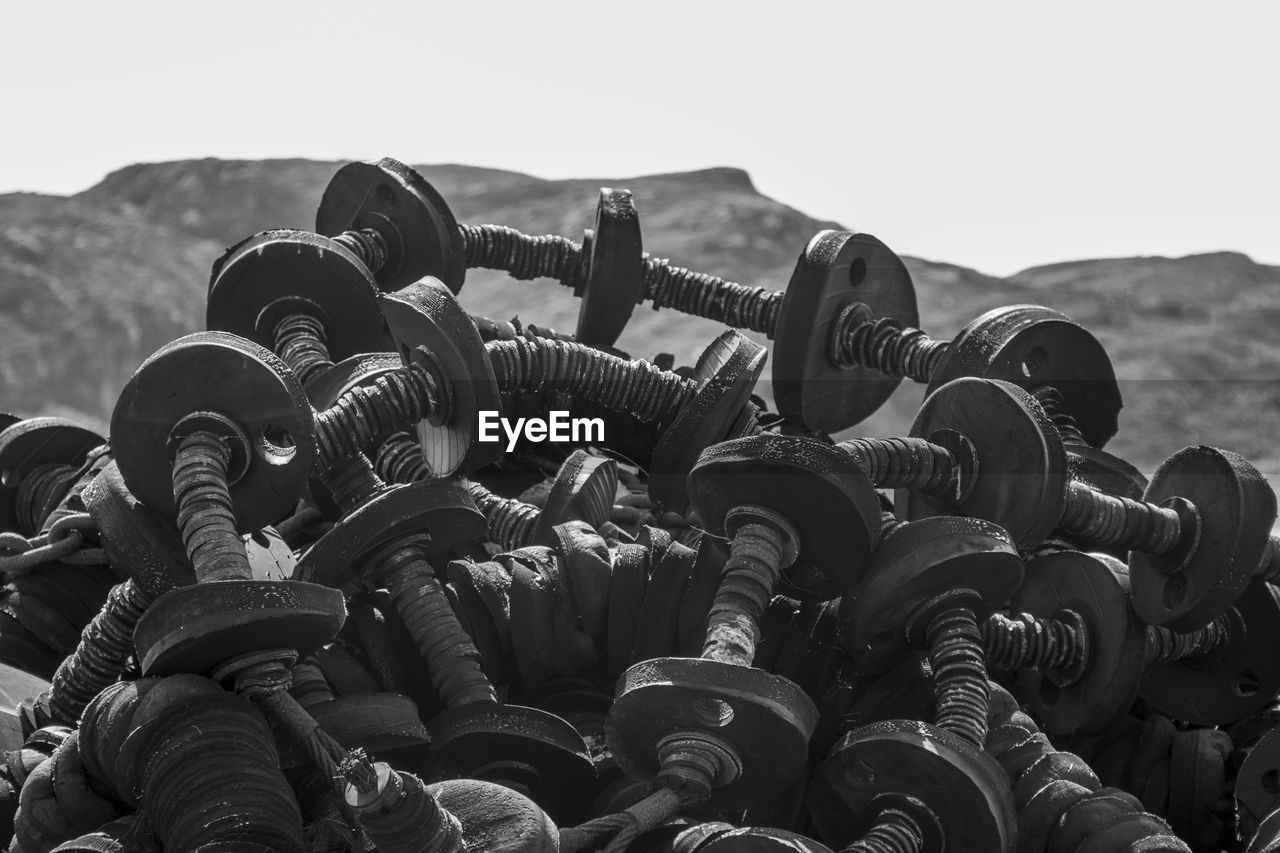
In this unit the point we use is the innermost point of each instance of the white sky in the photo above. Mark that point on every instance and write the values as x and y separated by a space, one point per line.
994 135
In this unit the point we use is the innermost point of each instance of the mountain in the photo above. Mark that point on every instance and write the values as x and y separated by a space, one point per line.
93 283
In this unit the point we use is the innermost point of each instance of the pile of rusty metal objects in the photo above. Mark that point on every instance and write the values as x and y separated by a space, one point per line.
301 600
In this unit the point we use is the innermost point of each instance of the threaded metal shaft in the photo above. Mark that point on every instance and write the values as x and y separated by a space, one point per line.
1100 519
510 521
1023 641
102 655
888 523
300 343
521 255
205 514
368 245
1165 646
860 340
1054 406
895 831
352 482
587 374
712 297
959 674
525 257
746 585
440 638
368 413
308 685
400 460
905 463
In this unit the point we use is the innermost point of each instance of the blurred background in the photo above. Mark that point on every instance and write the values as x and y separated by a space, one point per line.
1117 163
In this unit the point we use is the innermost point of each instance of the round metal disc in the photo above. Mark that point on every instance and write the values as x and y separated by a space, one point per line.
1106 472
1267 837
1257 789
442 508
234 377
349 373
195 628
1087 584
492 741
426 314
614 282
496 819
962 786
1033 346
916 563
658 625
821 491
627 591
837 268
585 573
765 719
392 197
264 278
1233 682
583 490
726 374
377 722
1237 509
1197 781
1021 481
29 443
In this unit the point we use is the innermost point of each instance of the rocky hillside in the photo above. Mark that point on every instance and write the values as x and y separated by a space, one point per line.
91 284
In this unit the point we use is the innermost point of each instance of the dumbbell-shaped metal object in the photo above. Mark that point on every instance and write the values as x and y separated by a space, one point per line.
715 729
390 205
929 586
1199 537
902 785
1084 656
845 337
214 431
304 296
384 540
973 443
